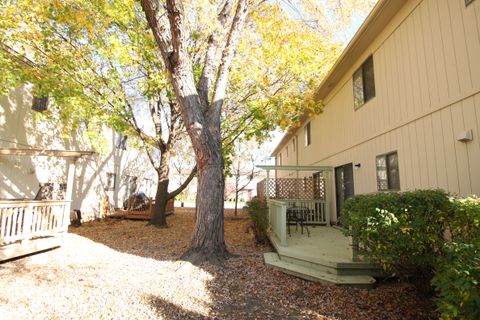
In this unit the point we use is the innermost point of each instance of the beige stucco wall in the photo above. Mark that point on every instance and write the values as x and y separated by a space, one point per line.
20 127
427 79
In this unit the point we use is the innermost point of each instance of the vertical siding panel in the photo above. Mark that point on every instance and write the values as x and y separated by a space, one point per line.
392 81
408 158
421 153
473 150
379 68
450 156
414 155
430 152
440 154
449 49
425 31
460 45
416 33
472 38
401 158
461 150
410 65
401 90
438 52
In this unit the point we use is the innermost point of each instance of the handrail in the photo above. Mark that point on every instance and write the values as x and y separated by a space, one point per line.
27 219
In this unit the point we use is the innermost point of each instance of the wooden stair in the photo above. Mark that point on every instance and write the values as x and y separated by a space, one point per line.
354 275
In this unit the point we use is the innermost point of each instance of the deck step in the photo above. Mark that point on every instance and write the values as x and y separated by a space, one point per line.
313 274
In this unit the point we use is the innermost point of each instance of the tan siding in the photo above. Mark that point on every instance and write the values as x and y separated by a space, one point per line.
439 151
425 31
472 39
429 145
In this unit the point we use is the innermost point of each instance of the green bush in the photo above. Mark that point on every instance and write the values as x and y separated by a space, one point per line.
425 234
400 231
258 211
457 272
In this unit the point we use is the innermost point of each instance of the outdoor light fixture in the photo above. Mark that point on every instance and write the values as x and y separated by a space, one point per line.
465 136
358 165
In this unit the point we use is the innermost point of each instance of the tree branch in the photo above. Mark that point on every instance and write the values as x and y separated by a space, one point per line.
177 191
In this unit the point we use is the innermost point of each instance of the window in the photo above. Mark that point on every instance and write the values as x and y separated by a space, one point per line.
308 138
363 84
388 177
40 104
111 179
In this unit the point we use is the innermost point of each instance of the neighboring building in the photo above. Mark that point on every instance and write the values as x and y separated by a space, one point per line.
122 171
402 104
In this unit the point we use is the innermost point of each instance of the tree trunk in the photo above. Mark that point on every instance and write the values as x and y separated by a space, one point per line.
159 217
208 243
236 202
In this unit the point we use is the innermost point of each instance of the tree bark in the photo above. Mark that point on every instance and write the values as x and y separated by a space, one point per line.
159 216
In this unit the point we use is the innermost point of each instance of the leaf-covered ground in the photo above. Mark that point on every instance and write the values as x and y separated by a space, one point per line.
120 269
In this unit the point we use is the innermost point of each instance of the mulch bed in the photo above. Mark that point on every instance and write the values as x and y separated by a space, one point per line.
122 269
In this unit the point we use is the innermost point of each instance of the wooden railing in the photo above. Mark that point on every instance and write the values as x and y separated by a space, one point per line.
277 214
26 220
316 214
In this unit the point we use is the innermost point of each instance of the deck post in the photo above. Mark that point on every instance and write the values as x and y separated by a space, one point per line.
283 224
328 197
69 192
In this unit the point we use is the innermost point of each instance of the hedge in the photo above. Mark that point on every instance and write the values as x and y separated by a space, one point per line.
423 235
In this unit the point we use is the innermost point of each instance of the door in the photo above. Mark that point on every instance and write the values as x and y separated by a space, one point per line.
344 187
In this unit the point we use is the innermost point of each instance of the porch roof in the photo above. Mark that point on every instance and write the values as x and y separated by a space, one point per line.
45 152
295 168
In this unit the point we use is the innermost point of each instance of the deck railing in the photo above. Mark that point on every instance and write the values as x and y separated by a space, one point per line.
316 213
26 220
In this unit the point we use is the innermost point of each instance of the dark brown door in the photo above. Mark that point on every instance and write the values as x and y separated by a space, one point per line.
344 187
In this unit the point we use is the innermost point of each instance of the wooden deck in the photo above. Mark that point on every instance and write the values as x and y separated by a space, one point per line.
325 256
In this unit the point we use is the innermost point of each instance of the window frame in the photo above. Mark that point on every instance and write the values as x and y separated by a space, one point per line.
361 75
388 172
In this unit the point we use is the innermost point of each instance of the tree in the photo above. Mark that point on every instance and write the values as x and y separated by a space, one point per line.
201 108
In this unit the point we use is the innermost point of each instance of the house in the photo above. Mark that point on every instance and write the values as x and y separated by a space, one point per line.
115 173
401 105
401 112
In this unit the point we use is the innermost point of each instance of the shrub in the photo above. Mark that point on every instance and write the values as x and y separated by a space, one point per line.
457 273
400 231
258 211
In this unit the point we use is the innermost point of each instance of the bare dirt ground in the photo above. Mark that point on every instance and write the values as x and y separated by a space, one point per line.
120 269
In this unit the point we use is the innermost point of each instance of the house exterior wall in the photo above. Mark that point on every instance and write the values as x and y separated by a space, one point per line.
427 81
20 175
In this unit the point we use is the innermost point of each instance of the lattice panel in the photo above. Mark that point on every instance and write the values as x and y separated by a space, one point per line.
293 188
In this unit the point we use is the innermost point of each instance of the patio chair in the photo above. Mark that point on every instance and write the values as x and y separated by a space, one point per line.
297 215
